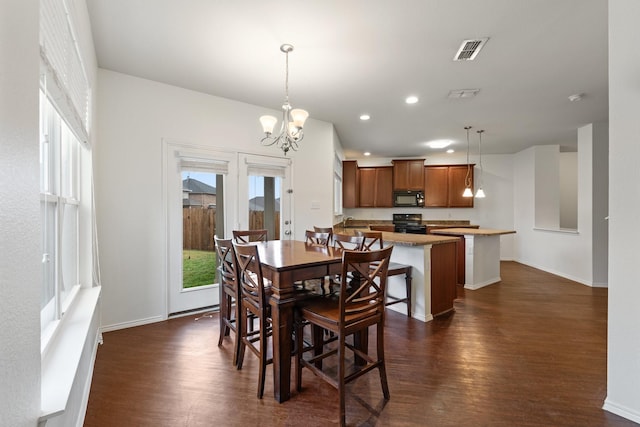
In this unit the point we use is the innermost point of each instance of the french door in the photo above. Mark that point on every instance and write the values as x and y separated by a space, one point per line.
197 183
264 200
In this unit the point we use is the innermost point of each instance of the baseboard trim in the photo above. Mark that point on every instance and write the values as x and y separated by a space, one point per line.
621 410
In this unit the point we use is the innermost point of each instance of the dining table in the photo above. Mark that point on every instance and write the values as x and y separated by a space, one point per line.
285 262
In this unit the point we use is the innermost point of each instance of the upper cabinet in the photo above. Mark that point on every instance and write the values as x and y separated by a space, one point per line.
375 187
408 174
445 184
350 184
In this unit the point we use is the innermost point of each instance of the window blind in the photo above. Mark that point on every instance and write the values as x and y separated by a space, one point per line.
64 77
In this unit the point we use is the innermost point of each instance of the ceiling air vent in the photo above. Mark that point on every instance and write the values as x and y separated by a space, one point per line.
469 49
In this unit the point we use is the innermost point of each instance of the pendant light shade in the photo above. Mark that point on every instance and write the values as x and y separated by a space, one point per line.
468 192
480 193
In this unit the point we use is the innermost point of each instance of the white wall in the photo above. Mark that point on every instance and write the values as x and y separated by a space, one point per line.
623 369
20 230
494 211
134 117
565 254
546 188
568 169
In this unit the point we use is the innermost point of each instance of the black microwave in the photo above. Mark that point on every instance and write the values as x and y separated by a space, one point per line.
408 198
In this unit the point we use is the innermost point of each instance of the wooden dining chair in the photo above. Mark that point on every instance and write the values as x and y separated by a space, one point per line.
351 313
229 294
373 240
247 236
324 230
254 301
318 239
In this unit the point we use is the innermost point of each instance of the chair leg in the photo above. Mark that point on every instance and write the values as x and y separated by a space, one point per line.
299 349
242 334
222 316
408 283
263 357
382 367
238 337
341 382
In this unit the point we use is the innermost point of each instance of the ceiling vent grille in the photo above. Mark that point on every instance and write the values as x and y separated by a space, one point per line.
469 49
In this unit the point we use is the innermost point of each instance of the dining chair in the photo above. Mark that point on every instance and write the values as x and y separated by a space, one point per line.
324 230
229 294
373 239
351 313
319 239
247 236
254 300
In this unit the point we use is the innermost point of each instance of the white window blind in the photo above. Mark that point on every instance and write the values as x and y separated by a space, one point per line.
63 73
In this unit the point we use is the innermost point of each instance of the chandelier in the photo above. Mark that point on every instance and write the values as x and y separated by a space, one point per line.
290 133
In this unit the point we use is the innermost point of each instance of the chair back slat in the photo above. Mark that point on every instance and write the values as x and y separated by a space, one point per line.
226 263
371 240
347 242
368 298
317 238
250 279
247 236
324 230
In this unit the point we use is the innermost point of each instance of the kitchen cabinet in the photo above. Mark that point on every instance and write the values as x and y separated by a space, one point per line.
408 174
350 184
444 186
375 187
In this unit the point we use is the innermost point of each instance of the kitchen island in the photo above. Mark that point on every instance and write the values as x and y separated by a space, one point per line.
482 254
433 259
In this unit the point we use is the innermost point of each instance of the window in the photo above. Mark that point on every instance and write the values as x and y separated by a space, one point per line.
59 201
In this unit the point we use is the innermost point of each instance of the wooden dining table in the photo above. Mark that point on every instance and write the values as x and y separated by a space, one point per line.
285 262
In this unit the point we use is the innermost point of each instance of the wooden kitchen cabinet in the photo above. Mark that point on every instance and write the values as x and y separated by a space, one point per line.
444 185
436 184
375 189
408 174
350 184
457 177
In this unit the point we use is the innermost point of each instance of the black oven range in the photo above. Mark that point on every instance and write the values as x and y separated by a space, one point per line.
409 223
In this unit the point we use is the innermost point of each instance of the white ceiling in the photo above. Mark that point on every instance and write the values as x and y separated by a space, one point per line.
357 56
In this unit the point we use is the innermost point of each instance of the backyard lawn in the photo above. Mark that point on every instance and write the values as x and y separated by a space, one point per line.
198 268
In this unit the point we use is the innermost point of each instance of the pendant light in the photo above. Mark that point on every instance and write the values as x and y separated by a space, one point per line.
467 180
480 193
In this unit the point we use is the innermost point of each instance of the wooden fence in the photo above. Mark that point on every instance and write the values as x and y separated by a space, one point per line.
199 227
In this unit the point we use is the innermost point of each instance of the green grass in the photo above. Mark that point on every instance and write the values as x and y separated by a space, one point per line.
198 268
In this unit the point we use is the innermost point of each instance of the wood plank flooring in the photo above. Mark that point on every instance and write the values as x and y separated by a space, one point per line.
528 351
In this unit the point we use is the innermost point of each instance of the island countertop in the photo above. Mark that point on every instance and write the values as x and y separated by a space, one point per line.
405 239
472 231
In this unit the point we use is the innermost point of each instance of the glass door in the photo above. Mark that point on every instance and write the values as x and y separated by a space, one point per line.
196 181
265 195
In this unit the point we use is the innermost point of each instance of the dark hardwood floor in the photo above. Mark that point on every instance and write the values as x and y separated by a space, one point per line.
528 351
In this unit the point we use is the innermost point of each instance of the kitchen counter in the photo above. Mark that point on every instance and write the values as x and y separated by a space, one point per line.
471 231
434 270
404 239
482 254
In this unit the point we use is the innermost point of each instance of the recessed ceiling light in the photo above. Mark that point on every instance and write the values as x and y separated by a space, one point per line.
451 150
440 143
365 117
411 99
366 153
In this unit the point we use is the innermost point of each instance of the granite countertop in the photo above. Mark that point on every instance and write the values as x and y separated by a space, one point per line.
404 239
472 231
